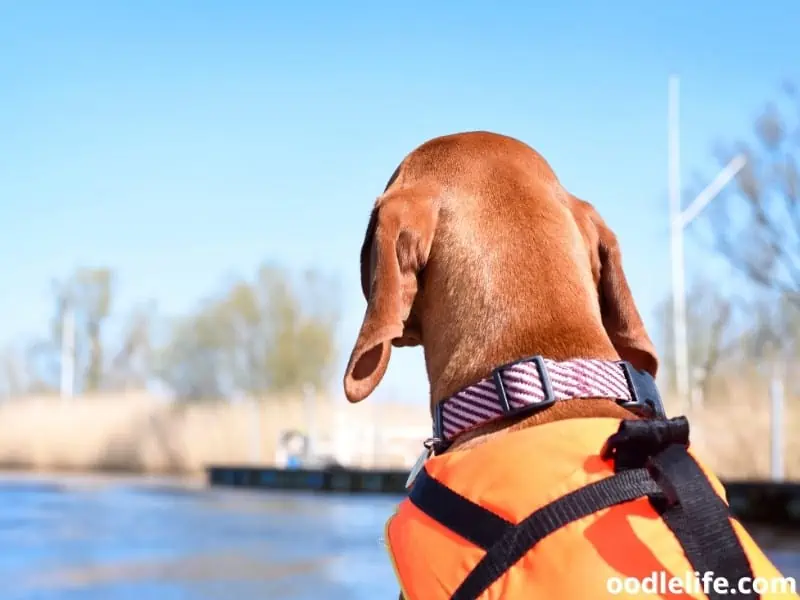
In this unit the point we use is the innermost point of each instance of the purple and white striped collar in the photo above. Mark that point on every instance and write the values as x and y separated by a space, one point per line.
534 383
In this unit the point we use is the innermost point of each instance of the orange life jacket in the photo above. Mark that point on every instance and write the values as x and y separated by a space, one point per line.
541 513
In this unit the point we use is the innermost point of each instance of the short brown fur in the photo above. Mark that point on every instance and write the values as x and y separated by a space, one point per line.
476 252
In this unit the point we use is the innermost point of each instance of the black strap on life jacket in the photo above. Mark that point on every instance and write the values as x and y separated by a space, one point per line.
651 460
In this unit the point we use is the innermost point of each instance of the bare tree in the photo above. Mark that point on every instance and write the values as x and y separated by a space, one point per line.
88 293
91 292
756 222
13 375
710 328
131 365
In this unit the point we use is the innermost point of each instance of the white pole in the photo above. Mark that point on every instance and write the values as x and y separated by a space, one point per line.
68 354
679 219
712 190
776 424
676 238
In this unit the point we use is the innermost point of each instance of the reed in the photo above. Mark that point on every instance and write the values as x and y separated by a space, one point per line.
138 433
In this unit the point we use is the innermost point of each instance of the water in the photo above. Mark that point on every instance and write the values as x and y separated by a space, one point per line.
115 539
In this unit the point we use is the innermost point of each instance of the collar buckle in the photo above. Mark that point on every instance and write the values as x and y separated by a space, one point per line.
645 400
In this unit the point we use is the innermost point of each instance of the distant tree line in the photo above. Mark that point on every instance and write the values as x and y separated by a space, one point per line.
272 333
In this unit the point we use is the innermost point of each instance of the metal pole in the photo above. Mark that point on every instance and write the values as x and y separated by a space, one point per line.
68 354
676 238
776 423
679 219
712 190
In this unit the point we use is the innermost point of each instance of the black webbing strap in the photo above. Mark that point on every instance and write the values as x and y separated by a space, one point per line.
651 460
696 515
619 488
700 520
469 520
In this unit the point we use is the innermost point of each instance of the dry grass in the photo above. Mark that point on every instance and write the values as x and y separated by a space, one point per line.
732 431
138 434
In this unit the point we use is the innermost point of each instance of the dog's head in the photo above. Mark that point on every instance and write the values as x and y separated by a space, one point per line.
424 207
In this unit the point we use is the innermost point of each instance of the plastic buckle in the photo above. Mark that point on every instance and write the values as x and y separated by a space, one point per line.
497 377
645 400
544 378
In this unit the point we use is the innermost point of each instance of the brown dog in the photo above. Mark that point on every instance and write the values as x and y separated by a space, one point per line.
476 252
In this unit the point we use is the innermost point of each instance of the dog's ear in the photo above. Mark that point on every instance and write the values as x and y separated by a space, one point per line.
395 249
621 319
367 267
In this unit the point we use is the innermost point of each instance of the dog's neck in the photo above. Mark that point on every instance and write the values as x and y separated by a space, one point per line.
469 361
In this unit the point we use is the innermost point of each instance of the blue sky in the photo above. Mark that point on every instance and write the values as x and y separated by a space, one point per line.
180 142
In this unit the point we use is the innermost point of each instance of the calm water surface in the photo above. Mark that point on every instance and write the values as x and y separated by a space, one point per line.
115 539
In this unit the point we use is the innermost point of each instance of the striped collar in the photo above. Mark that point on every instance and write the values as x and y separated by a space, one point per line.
534 383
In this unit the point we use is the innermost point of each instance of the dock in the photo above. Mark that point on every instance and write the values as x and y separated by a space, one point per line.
764 502
335 479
